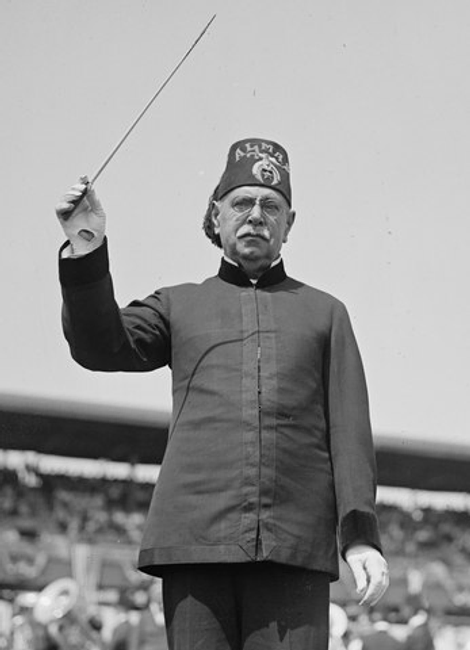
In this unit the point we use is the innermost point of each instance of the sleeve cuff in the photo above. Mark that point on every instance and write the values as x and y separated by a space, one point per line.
92 267
359 527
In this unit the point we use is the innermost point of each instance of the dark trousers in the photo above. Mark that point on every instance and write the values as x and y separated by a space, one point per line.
255 606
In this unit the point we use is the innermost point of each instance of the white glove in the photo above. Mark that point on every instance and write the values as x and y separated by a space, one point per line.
370 571
83 224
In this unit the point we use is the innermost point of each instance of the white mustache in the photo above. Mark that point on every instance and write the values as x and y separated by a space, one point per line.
248 231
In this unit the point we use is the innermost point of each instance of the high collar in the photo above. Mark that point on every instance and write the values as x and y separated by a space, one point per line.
236 275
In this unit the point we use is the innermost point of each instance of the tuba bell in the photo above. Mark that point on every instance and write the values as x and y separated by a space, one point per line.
57 608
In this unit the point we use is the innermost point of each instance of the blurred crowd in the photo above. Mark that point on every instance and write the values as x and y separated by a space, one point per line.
138 624
49 621
443 533
99 509
431 548
86 510
414 629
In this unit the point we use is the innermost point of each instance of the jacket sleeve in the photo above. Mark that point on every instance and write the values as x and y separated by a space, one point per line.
351 446
101 336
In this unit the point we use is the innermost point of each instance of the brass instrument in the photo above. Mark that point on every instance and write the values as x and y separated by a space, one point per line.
57 609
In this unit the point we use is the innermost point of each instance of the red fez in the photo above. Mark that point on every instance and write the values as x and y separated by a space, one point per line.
255 161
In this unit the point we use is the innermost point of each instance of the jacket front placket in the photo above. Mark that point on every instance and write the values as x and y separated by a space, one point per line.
258 382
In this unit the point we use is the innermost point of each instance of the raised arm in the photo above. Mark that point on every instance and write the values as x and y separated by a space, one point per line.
102 336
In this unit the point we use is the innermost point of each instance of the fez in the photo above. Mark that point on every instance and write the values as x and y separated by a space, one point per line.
255 161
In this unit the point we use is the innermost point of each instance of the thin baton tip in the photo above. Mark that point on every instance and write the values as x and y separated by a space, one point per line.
147 106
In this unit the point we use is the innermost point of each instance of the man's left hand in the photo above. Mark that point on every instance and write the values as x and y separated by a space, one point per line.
370 571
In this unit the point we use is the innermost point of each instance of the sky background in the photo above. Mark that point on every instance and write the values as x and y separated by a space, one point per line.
371 99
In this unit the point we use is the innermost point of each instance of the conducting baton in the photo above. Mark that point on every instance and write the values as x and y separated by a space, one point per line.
84 179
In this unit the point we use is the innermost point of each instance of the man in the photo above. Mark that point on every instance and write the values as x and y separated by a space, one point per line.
143 628
378 636
420 636
269 453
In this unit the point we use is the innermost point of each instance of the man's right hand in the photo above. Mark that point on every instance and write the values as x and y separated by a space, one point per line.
83 225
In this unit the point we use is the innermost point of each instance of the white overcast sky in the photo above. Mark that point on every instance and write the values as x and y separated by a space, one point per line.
371 98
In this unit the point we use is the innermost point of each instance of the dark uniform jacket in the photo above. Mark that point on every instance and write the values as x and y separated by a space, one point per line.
270 451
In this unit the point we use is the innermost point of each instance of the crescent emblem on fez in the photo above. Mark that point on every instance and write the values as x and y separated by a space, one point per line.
266 172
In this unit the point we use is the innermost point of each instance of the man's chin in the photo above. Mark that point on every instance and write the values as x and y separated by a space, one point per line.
252 253
254 256
257 245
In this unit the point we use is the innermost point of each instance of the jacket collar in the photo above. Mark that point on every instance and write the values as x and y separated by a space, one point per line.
235 275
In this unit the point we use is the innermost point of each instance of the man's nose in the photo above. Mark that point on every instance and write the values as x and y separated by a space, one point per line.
256 214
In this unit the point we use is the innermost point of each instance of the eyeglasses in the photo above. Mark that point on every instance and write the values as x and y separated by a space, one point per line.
269 207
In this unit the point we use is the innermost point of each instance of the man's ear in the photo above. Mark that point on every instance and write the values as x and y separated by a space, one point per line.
215 216
289 223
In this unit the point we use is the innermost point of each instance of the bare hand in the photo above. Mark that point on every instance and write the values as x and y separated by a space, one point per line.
370 571
83 224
